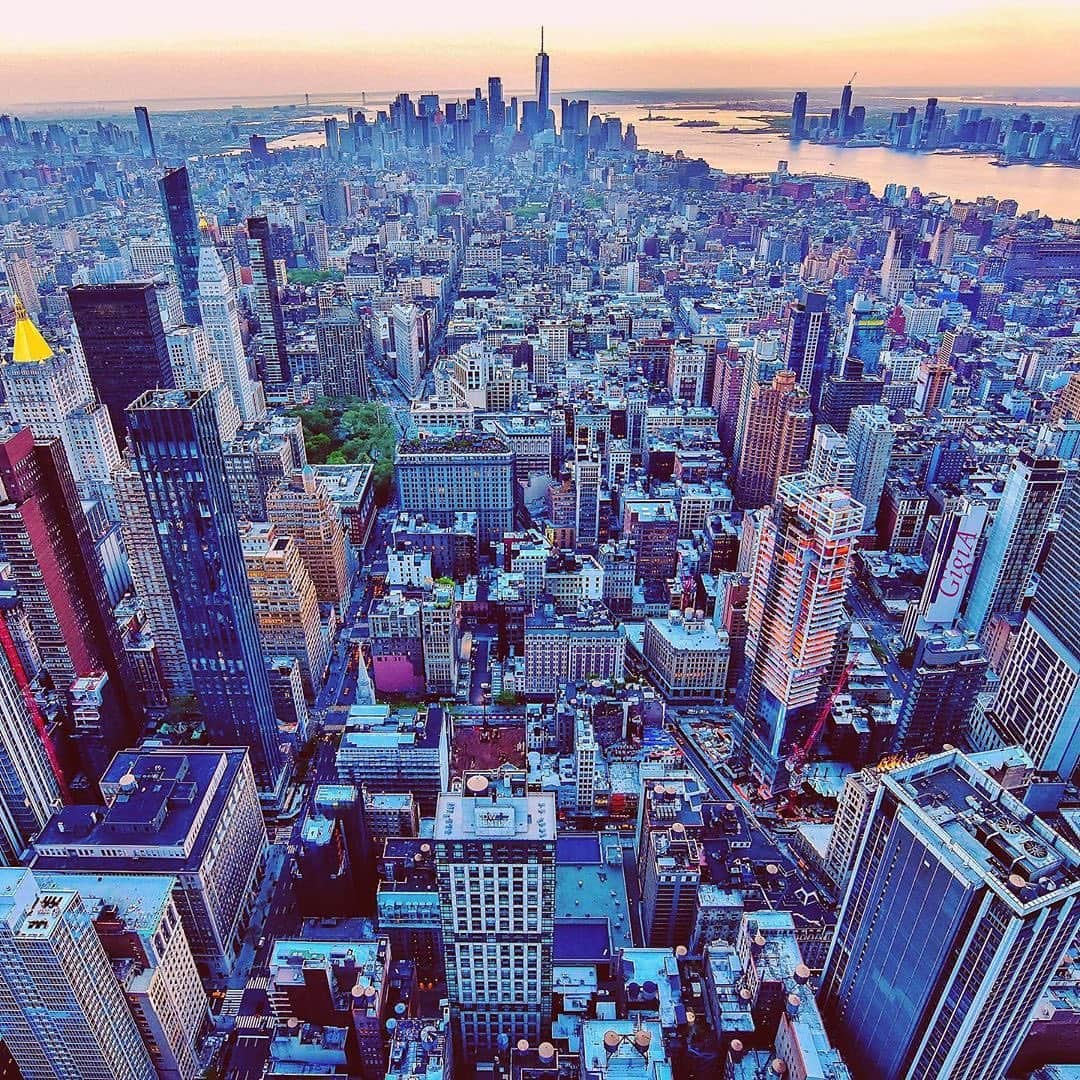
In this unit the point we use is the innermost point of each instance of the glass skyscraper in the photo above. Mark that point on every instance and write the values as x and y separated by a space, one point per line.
960 906
176 201
174 440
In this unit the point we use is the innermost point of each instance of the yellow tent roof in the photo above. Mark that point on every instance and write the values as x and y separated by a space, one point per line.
30 347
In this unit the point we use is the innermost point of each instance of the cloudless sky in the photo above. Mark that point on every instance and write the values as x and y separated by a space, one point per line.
65 50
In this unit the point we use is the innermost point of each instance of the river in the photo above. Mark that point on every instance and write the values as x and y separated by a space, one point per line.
1054 190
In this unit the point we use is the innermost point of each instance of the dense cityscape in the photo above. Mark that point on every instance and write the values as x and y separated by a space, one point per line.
482 598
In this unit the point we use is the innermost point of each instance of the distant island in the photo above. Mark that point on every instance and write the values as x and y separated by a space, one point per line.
646 119
700 124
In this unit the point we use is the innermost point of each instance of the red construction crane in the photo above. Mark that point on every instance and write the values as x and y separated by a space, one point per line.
19 672
800 752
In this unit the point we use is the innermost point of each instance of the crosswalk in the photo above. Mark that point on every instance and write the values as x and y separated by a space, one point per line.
230 1004
254 1023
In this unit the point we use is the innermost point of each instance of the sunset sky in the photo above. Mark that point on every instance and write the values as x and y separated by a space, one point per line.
139 49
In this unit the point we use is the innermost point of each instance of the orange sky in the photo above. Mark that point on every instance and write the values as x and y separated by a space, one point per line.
134 49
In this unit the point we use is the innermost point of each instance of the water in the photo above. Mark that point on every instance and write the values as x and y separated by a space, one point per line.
1054 190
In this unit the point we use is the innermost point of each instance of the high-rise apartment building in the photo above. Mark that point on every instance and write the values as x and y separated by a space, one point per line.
286 604
300 506
806 343
870 438
123 340
440 476
177 452
197 367
62 1013
795 614
495 859
176 201
962 903
273 359
775 438
830 460
1032 492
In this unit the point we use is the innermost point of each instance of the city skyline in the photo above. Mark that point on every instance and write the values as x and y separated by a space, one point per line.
753 47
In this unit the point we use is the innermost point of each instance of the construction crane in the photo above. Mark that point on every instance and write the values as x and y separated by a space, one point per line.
800 752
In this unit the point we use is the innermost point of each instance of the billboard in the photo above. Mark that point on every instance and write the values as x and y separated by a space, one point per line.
954 559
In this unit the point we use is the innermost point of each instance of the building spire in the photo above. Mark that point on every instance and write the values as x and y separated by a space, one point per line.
541 39
30 347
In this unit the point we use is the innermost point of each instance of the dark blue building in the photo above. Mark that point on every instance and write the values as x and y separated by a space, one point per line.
806 344
173 435
176 201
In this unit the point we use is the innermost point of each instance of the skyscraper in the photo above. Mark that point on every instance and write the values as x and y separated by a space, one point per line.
343 354
409 348
273 359
495 859
1038 698
496 105
30 789
1032 490
806 343
178 454
543 86
63 1013
795 612
45 538
146 135
960 906
870 438
844 125
123 341
196 367
798 115
220 317
176 201
774 439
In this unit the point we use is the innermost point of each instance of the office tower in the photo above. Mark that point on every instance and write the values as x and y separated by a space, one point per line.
543 87
254 462
286 605
343 352
45 538
20 277
844 125
301 507
409 348
196 367
438 626
1067 401
775 438
187 815
333 137
496 105
897 265
138 924
30 782
574 647
931 385
123 341
62 1013
273 359
795 615
963 903
798 115
688 657
146 135
1038 698
440 475
151 584
830 460
220 317
1032 490
842 394
495 857
587 496
176 201
852 813
947 674
870 438
177 452
938 607
806 344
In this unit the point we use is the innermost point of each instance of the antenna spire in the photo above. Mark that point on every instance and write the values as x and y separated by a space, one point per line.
541 39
